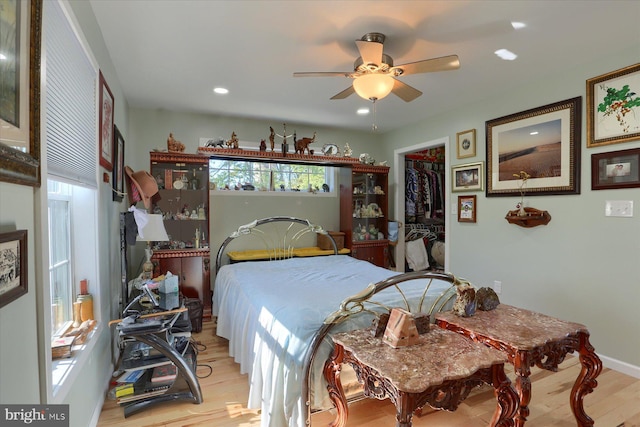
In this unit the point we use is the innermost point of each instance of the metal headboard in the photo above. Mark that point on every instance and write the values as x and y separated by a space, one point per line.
278 246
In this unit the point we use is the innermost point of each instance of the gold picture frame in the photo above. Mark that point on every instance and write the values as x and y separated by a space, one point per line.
544 142
466 144
20 150
467 177
613 107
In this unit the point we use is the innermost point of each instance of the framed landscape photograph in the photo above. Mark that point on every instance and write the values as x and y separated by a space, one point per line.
467 208
13 266
616 169
613 107
21 32
118 166
544 142
467 177
466 143
105 133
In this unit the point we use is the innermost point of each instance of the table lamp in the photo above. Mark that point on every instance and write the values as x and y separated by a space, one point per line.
153 231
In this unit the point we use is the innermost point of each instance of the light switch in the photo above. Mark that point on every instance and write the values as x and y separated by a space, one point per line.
623 208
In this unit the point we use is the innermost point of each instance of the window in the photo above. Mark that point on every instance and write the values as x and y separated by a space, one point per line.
69 217
227 174
60 261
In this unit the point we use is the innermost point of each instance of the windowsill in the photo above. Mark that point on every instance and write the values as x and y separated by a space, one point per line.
65 370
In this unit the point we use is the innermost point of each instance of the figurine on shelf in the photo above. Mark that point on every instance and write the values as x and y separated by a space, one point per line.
219 142
524 177
233 142
263 145
272 138
303 144
173 145
347 150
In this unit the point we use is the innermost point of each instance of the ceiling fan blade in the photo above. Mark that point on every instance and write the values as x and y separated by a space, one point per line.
345 93
371 52
444 63
324 74
404 91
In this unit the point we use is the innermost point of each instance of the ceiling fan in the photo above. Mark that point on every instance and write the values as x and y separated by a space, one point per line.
374 75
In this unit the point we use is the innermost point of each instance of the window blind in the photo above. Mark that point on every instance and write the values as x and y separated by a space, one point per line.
70 94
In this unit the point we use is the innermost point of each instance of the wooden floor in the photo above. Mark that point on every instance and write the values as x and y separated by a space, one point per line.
614 403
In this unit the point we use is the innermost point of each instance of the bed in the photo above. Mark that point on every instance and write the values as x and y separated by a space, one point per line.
277 313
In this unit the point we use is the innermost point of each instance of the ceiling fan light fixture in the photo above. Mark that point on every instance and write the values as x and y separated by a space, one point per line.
373 87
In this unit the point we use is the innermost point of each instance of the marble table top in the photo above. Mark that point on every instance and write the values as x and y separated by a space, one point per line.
439 356
519 328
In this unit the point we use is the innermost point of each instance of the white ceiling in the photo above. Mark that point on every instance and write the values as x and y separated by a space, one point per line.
170 54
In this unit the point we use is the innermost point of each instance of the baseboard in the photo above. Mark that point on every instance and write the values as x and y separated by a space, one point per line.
623 367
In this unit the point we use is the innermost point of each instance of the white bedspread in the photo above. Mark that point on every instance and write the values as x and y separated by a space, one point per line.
269 311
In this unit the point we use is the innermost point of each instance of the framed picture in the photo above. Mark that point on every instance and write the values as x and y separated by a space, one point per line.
613 107
467 208
467 177
105 134
616 169
466 143
21 24
544 142
118 166
13 266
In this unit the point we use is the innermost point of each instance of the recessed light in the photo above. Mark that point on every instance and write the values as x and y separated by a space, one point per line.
535 132
221 90
518 25
363 111
505 54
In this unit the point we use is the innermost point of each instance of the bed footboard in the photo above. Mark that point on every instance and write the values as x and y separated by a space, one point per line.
366 302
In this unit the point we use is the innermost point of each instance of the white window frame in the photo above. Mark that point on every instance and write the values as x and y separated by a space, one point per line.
58 376
330 179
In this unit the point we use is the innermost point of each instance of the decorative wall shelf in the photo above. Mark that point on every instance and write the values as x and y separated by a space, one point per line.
533 218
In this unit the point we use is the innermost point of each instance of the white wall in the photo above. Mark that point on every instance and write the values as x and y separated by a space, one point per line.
582 266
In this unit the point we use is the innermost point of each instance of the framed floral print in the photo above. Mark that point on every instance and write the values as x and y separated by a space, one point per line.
613 107
105 133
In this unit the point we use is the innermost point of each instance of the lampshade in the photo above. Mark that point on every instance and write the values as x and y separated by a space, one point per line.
373 86
153 230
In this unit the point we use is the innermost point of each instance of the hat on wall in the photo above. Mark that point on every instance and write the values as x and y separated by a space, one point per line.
141 186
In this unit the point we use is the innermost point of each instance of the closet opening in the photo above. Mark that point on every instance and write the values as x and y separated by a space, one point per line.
422 179
425 208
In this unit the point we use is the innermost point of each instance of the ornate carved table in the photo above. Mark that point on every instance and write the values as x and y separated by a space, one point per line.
440 370
529 338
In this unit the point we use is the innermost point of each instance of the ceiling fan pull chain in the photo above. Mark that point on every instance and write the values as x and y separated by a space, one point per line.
374 126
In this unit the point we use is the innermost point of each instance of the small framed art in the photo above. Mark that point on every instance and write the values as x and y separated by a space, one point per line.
467 177
105 134
466 143
613 107
13 266
615 169
118 165
467 209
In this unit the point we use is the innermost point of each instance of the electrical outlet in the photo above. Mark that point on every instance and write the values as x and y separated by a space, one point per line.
497 286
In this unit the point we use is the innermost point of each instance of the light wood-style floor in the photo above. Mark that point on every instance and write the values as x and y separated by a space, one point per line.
614 403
